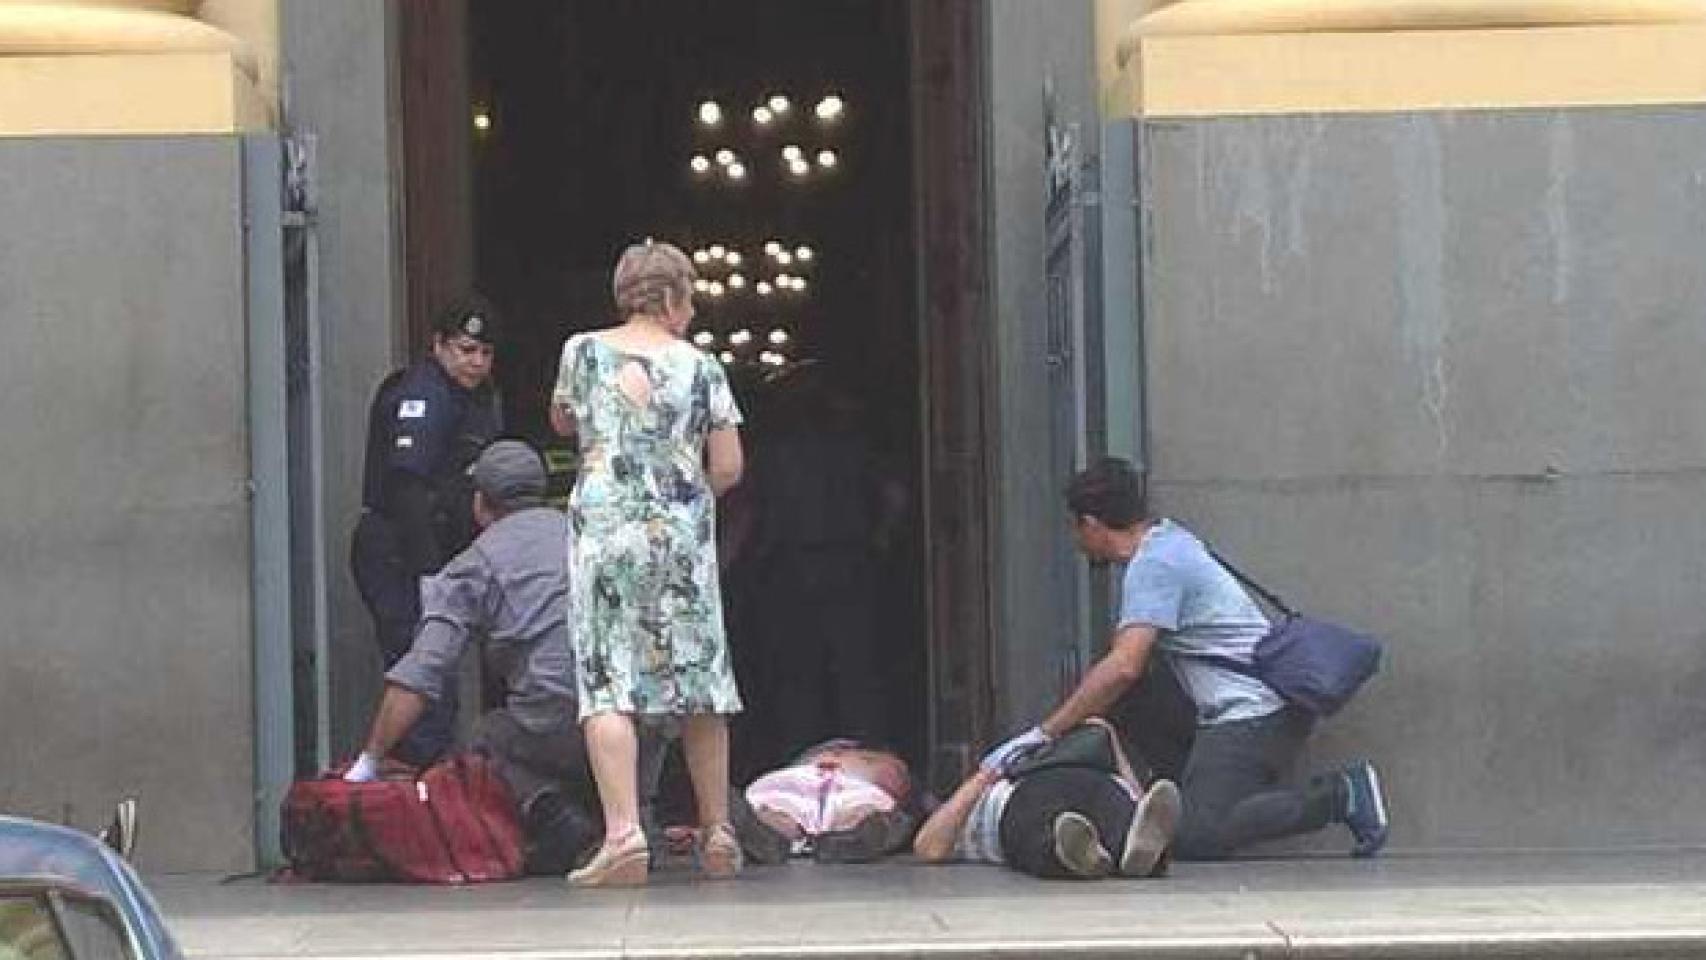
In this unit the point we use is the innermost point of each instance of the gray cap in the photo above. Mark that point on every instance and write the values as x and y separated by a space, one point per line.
510 474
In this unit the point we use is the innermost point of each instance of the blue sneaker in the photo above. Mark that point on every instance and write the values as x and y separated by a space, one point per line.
1365 809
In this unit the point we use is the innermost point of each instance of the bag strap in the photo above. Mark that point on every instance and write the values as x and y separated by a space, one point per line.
1273 599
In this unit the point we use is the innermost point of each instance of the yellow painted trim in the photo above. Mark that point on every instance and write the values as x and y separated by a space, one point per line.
127 94
1193 75
1198 17
44 29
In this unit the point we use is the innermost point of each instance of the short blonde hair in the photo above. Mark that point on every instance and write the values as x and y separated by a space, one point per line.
648 274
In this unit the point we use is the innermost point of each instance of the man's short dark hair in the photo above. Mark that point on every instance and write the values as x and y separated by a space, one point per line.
1111 491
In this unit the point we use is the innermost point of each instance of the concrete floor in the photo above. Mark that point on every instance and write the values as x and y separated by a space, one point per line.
1556 905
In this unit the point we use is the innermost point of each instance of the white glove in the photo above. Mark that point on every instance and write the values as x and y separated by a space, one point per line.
1007 754
365 769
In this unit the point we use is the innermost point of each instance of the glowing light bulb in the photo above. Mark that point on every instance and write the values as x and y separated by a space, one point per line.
710 113
799 284
700 256
482 121
763 288
804 254
791 152
736 171
726 357
733 258
830 108
699 163
784 281
725 156
784 258
740 338
827 159
778 104
717 251
762 116
736 281
772 247
714 288
704 338
799 168
778 337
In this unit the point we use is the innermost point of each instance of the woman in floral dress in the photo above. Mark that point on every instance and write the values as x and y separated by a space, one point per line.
657 430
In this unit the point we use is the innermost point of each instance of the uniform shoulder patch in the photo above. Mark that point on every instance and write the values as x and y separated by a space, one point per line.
411 409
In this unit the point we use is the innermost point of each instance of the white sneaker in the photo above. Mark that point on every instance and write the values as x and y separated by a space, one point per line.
1152 827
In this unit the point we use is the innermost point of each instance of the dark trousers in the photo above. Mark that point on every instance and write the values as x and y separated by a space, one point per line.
550 778
1235 791
1075 774
392 595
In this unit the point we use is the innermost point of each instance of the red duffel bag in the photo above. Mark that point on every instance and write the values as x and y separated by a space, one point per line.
456 823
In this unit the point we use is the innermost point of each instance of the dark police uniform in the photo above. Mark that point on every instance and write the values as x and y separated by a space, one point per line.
423 431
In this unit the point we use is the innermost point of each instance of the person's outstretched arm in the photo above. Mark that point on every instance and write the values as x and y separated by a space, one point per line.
936 839
1114 674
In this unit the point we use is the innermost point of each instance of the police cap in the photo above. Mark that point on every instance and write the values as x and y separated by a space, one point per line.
470 316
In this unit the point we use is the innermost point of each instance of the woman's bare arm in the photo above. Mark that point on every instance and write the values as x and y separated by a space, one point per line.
724 459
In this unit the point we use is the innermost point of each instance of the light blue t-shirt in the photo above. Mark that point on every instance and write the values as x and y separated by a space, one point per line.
1174 585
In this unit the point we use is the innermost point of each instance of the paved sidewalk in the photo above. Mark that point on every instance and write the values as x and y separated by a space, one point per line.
1603 906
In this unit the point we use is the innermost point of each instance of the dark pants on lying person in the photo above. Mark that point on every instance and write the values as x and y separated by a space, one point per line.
1075 774
1235 788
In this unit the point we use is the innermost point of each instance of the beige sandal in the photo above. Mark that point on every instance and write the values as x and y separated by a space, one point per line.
719 852
624 863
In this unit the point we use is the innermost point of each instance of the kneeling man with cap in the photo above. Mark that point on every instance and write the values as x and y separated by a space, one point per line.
506 593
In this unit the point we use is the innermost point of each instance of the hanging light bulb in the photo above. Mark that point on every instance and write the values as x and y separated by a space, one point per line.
732 258
726 357
736 171
725 156
714 288
762 116
792 152
717 251
772 247
827 159
763 288
710 113
784 281
741 338
799 168
699 163
778 104
803 253
778 336
736 281
700 256
704 338
830 108
702 285
799 284
482 121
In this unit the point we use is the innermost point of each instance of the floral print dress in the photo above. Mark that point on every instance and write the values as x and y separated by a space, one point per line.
645 612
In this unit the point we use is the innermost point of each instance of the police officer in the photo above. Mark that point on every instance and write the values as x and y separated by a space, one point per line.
428 423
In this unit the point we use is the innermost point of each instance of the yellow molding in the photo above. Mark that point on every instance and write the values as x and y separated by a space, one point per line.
128 94
1181 74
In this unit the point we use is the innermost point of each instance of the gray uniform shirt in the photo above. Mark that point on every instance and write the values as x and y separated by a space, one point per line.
507 592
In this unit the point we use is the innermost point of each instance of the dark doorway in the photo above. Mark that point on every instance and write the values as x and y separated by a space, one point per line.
587 123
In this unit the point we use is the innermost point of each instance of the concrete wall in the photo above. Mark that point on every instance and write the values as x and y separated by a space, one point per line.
1438 374
1031 44
124 527
340 88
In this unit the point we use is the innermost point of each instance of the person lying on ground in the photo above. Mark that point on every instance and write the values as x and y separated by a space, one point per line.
506 593
1071 809
840 801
